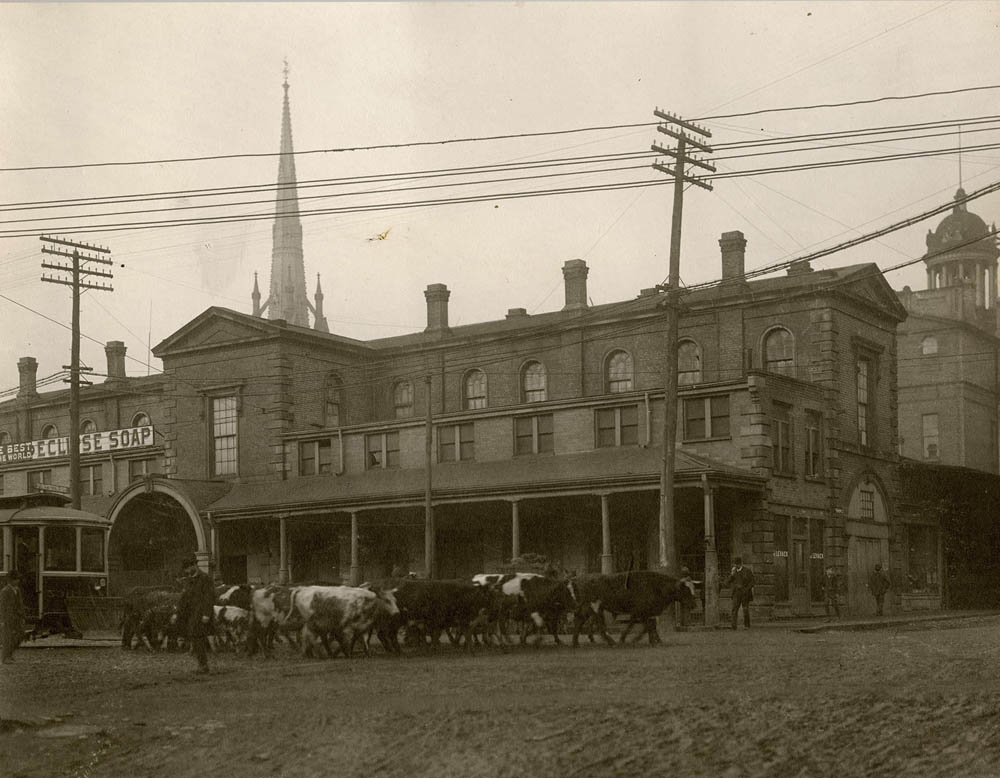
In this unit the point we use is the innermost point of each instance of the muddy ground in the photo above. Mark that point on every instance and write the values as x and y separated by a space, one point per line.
918 700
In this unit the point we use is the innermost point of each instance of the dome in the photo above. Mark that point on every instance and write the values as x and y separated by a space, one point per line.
961 229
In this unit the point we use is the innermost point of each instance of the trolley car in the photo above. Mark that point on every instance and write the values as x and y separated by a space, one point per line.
61 554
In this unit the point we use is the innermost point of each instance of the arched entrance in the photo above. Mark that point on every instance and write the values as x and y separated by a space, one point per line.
154 527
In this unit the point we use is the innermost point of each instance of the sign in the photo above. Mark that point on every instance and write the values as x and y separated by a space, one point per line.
107 442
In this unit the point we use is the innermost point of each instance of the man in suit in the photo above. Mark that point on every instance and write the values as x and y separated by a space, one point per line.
11 617
741 580
196 610
831 588
878 585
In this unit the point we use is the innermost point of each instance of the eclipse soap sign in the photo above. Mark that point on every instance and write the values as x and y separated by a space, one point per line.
90 443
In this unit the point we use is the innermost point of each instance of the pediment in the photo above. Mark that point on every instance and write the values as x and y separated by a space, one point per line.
215 327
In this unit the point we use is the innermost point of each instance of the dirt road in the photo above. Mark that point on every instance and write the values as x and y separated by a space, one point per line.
914 701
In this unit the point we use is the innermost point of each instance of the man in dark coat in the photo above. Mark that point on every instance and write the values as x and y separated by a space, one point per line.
879 584
11 617
831 588
195 611
741 580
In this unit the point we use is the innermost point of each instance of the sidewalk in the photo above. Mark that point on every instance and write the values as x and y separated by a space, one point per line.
811 625
89 640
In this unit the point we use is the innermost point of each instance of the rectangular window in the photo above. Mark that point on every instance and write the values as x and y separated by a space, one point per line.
617 426
817 565
382 451
782 440
863 374
533 435
781 559
307 458
814 444
224 442
456 443
315 456
140 468
92 550
706 417
867 498
921 558
36 478
60 548
931 438
91 482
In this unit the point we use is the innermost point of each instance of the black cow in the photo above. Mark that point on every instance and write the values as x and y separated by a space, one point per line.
642 594
143 616
433 607
235 595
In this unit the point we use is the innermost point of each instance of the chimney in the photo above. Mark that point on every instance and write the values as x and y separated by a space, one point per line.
733 246
27 368
575 275
516 313
115 352
437 307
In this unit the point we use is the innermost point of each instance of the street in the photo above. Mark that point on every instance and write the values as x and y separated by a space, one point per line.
915 700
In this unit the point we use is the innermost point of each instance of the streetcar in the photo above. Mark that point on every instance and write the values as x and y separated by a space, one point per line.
61 553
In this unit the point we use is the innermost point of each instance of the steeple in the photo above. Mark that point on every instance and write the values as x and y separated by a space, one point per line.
319 320
288 299
255 296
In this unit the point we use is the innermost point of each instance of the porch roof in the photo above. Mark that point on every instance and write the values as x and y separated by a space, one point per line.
591 472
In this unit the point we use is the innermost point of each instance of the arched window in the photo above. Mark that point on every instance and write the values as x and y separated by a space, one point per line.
402 399
688 363
50 431
929 345
4 438
87 426
533 382
332 400
779 352
141 420
619 372
475 390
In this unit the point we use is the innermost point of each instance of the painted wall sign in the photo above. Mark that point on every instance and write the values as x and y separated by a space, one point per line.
90 443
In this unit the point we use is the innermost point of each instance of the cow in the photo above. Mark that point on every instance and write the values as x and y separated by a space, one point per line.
345 612
232 625
159 623
238 595
137 619
641 594
430 607
271 613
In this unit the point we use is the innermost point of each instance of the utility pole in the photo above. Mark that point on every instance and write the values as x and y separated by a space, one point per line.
78 275
430 534
667 535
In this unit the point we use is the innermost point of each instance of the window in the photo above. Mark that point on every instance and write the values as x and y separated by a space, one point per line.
688 363
867 504
402 399
779 352
50 431
781 442
921 558
475 390
140 468
36 478
91 550
4 438
619 372
617 426
141 420
863 371
456 443
224 442
332 401
533 435
91 480
60 548
315 456
706 417
817 565
929 345
814 444
533 382
781 576
931 439
87 426
382 450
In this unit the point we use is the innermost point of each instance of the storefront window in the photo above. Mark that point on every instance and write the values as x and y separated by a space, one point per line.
92 550
921 559
780 558
816 559
60 548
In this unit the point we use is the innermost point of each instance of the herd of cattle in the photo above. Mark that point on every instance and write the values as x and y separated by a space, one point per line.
482 610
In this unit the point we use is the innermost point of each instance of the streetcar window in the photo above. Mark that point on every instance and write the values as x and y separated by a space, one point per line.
60 548
92 550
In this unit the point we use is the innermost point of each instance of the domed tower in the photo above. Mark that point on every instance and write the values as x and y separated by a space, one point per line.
962 250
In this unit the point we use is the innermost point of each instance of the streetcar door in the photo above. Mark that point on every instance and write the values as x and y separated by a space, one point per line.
26 561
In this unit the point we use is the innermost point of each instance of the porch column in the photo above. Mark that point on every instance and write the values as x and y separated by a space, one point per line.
213 536
930 278
607 558
8 549
355 556
991 285
282 551
711 557
515 529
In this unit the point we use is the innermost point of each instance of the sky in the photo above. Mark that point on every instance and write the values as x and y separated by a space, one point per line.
96 83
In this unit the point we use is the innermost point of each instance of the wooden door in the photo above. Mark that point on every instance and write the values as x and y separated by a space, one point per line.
862 555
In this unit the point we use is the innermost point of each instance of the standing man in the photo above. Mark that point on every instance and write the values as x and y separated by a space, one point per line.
878 585
195 611
831 585
742 581
11 617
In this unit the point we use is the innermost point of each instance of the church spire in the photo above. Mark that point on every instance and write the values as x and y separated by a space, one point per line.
288 298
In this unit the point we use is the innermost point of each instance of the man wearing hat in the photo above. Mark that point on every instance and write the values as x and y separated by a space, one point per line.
878 584
742 580
195 610
11 617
